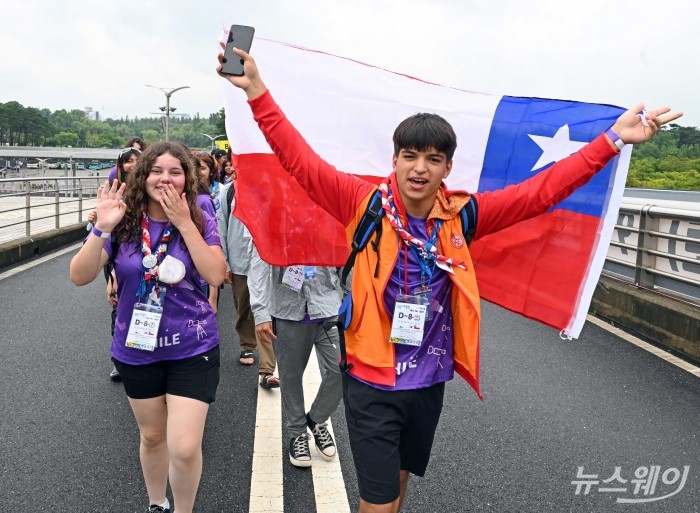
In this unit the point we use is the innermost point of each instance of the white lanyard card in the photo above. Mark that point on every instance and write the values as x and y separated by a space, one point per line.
408 324
143 330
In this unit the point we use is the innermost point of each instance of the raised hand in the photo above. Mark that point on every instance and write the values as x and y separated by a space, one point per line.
250 81
110 207
637 126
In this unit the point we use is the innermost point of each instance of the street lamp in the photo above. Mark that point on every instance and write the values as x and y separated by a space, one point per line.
167 109
212 139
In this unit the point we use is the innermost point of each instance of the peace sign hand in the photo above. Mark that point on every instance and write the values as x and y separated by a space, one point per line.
638 125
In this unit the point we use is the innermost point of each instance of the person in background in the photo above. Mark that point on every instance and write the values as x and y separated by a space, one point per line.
134 142
126 161
295 310
206 160
228 172
237 245
218 156
171 368
209 204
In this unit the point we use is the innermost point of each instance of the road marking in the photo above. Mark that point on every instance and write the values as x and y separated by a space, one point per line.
266 481
678 362
329 485
38 261
269 454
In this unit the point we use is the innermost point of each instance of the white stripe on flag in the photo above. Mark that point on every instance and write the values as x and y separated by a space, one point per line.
348 111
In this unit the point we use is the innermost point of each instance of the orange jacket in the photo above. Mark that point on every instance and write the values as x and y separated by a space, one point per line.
367 338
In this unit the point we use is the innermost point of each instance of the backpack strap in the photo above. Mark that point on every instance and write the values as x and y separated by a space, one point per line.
468 216
229 198
370 223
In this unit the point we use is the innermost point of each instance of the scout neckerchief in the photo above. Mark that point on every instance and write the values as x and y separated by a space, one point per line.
427 252
149 283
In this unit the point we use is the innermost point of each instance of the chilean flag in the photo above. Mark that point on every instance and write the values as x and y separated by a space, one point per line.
545 268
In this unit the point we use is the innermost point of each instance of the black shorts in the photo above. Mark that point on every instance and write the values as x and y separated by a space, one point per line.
196 377
389 431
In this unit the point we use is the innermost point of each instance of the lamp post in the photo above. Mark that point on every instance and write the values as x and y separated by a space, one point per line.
167 109
212 139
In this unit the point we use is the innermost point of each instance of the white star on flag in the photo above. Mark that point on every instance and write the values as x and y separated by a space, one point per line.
555 148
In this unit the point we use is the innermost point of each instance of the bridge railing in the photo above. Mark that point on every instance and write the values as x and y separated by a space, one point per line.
30 206
658 248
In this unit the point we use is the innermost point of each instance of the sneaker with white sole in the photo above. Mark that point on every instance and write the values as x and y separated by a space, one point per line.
154 508
322 437
299 454
114 375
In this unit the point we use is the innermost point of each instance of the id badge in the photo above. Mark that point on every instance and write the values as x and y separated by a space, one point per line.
143 330
293 277
310 272
408 324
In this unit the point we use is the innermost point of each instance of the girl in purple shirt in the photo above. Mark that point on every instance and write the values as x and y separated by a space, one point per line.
165 342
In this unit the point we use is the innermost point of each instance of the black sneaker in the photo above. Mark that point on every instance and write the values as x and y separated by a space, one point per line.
115 376
154 508
322 437
299 454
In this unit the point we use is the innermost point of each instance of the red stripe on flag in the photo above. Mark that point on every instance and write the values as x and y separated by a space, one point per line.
287 227
547 260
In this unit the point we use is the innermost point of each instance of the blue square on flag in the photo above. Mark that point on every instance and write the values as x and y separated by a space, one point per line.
529 134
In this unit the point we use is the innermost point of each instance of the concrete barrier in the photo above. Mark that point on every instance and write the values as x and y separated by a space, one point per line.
664 321
16 251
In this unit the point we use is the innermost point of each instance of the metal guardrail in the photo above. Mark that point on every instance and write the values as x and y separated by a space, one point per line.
30 206
657 248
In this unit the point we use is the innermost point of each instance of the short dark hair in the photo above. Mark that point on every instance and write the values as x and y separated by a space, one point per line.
423 131
219 153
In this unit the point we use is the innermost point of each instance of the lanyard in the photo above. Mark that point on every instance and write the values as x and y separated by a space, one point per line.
427 259
149 285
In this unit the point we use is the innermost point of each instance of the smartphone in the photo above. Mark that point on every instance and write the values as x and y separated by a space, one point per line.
241 37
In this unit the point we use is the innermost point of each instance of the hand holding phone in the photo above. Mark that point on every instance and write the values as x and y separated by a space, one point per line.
241 37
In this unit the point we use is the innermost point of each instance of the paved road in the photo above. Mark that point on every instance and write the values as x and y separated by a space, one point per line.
68 442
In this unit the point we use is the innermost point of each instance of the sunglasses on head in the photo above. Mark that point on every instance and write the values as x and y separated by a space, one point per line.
126 151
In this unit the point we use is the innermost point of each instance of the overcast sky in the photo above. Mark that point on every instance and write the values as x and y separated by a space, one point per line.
76 54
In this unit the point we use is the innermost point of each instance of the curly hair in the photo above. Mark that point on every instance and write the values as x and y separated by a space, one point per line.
136 198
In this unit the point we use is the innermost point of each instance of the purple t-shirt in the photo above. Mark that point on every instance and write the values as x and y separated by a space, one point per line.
431 362
188 326
112 174
206 204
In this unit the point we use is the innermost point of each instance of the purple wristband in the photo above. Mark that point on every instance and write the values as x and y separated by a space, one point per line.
100 233
619 143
